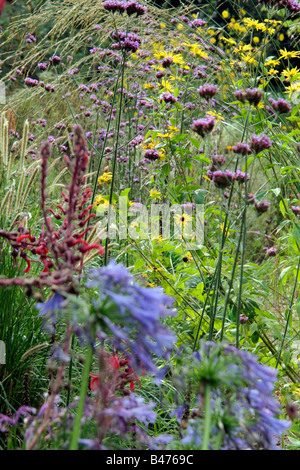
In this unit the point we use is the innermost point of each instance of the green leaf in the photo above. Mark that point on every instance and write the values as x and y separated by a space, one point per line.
166 169
296 233
253 328
195 142
140 263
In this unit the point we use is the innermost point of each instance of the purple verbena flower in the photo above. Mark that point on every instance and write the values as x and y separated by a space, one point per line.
208 91
281 105
204 125
260 142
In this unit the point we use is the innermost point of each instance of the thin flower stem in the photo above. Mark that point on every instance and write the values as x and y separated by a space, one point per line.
83 391
207 417
288 315
114 161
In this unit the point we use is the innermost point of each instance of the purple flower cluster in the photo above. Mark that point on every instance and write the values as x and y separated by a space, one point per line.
168 97
240 95
128 42
216 162
132 315
55 60
261 206
130 8
241 177
243 319
242 148
292 5
167 61
260 142
281 105
253 95
30 38
270 251
204 125
152 154
197 23
31 82
221 179
42 66
208 91
296 210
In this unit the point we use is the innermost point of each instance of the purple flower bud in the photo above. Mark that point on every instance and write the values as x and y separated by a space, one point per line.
208 91
281 105
242 148
240 95
204 125
253 95
168 97
243 319
222 179
260 142
262 206
31 82
240 176
55 60
270 251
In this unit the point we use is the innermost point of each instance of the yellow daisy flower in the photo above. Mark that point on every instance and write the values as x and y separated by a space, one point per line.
288 74
154 194
105 178
289 54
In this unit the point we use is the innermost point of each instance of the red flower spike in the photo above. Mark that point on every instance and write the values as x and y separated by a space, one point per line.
2 3
115 362
26 270
57 216
23 237
83 222
61 208
132 385
94 384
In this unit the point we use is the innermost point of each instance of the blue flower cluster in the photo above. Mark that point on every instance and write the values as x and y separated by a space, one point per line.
132 314
245 412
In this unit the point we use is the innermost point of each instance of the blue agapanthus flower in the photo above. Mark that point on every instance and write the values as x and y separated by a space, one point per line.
241 399
51 309
133 315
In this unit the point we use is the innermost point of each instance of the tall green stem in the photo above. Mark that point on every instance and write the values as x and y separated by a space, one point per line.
288 315
114 163
207 417
83 391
